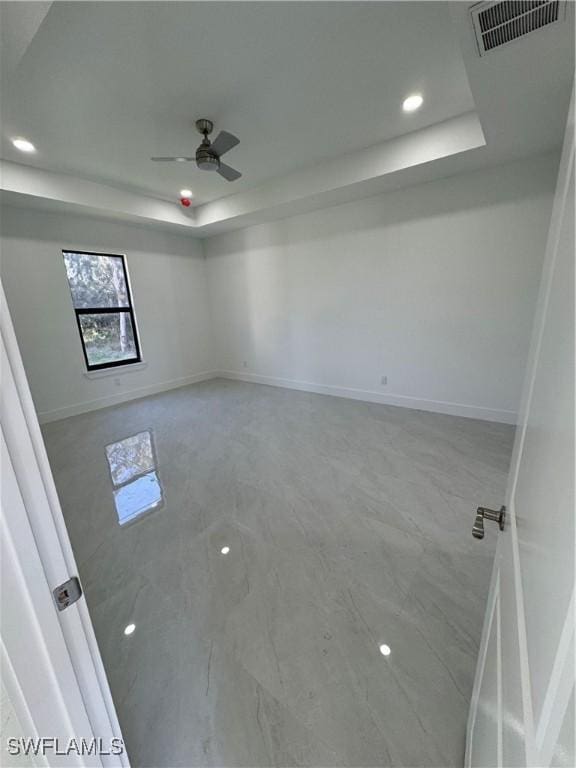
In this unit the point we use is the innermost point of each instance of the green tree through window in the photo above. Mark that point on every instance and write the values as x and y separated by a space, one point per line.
103 307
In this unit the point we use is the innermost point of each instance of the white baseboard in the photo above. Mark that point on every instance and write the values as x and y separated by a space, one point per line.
420 404
435 406
133 394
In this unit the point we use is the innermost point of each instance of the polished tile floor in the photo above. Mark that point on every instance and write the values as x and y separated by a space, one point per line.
298 572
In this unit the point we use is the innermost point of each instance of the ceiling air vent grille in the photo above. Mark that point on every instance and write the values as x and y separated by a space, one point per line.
498 23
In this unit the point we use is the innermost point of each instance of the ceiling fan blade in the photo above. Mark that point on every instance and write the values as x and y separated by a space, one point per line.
230 174
223 143
172 159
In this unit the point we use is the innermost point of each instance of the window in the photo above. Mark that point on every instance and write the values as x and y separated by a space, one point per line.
103 306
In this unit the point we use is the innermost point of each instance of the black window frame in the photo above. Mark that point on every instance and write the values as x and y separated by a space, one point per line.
106 311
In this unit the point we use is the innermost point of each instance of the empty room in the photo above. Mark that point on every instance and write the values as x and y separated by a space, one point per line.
287 321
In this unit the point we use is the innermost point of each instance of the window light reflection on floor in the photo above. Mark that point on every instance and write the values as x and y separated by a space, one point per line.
137 487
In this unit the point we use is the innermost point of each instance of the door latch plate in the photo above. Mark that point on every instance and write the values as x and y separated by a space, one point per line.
67 593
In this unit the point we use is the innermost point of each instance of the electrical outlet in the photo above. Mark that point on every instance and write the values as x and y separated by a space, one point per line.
384 380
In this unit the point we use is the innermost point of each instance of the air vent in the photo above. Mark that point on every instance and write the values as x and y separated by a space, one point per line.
498 23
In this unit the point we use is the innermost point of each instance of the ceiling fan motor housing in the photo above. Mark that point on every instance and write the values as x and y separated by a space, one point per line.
206 160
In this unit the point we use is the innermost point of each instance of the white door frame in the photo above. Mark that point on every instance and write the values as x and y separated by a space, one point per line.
85 700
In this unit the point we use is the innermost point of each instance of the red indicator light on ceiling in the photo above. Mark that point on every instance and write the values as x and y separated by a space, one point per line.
185 202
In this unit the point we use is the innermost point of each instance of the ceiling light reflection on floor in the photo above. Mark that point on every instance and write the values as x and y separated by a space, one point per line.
385 649
129 629
225 550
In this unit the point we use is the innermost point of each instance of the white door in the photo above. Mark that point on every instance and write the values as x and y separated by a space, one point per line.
522 711
51 666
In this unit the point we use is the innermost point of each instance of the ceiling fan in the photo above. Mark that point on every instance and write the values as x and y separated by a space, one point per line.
208 154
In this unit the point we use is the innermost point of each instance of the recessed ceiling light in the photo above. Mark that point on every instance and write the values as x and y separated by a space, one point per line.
412 103
185 193
385 649
180 159
129 629
23 144
225 550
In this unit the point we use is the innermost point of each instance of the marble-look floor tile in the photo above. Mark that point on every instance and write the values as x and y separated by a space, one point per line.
290 537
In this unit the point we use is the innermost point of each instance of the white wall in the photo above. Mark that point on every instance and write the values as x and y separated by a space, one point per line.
168 280
433 286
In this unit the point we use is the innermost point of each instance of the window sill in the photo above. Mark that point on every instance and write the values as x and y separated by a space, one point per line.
117 370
